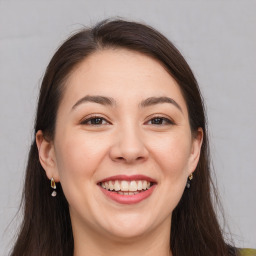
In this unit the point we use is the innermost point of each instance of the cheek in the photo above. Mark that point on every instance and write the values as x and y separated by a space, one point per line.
78 157
172 155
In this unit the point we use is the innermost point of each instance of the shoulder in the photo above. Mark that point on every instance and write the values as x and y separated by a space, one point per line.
247 252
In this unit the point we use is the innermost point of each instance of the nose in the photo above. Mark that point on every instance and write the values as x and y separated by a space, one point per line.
128 147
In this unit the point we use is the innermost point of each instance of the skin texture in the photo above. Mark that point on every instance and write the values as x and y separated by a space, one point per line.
127 141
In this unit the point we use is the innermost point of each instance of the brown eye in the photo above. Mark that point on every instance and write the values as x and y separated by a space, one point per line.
94 121
160 121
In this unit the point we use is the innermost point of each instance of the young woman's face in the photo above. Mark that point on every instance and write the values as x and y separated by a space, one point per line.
123 147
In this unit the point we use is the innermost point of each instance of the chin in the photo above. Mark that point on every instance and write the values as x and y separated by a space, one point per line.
129 226
128 234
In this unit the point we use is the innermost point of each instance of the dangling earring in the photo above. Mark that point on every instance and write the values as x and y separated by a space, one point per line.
53 185
190 177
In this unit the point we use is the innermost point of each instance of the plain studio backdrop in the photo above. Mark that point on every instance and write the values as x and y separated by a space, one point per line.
217 38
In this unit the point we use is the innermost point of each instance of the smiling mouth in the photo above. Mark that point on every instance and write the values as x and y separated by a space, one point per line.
125 187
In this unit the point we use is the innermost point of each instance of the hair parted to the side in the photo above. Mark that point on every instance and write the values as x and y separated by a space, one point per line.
46 228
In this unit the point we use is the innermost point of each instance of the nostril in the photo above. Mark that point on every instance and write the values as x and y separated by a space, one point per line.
128 153
130 159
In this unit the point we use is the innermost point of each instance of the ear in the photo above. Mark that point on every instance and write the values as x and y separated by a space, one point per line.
47 157
197 141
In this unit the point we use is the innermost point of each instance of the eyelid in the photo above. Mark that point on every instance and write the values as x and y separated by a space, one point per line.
169 120
93 116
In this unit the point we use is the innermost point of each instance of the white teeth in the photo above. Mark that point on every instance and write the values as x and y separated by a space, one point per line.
111 186
139 187
124 185
133 186
117 186
144 185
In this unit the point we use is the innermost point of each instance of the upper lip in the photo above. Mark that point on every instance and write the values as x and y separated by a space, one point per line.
129 178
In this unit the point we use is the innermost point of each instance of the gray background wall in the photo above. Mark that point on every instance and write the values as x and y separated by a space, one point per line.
218 40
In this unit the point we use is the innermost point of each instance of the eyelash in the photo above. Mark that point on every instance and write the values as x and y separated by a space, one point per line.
101 119
162 119
86 121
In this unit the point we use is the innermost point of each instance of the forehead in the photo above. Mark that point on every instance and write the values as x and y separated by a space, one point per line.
121 74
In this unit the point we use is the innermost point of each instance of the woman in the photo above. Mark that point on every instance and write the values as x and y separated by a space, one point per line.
119 164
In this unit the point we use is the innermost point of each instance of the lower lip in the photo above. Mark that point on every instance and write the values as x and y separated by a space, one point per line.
128 199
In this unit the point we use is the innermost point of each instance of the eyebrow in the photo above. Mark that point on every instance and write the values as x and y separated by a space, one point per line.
108 101
157 100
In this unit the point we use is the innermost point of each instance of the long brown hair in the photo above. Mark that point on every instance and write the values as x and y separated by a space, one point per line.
46 228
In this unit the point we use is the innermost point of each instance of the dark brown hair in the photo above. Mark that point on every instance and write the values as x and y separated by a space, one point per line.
46 228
